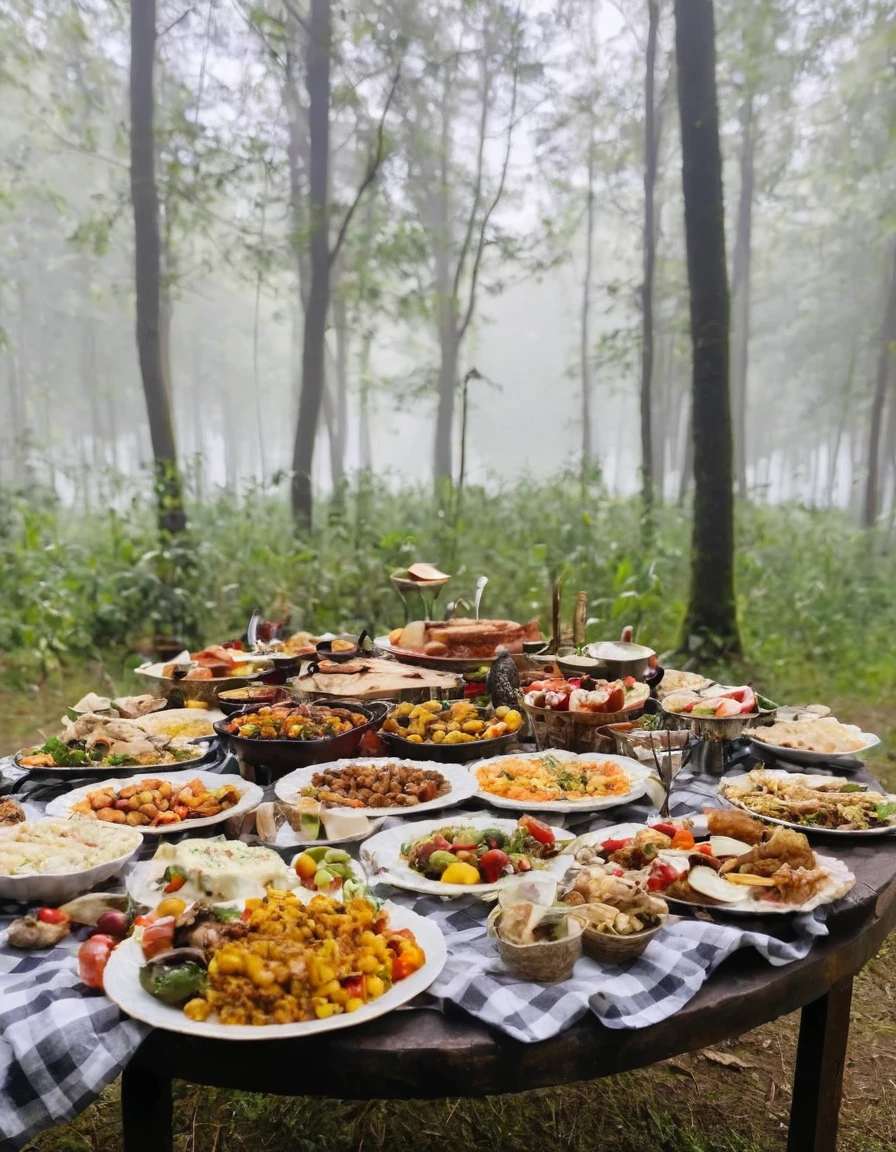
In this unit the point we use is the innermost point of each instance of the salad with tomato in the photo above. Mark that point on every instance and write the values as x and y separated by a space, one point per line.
464 854
587 694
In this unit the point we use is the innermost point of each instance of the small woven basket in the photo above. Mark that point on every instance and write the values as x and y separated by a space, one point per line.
575 731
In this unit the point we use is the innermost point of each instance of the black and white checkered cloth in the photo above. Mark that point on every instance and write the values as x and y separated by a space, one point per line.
61 1044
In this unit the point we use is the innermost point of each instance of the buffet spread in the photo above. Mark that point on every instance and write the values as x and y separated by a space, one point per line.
305 859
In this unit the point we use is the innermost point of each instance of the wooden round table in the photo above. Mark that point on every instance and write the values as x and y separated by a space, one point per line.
422 1054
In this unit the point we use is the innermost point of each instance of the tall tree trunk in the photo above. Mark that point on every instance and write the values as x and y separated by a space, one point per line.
340 325
585 321
650 164
169 494
884 366
740 290
839 431
712 610
318 83
366 437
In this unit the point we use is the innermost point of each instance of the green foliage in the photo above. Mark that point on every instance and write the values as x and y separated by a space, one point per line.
816 599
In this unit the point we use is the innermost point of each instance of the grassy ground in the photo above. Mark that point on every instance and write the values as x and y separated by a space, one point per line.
732 1099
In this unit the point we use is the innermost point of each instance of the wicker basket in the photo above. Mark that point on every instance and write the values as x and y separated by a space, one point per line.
575 731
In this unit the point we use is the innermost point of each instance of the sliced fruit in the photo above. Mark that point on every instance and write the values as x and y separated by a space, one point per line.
413 636
709 883
753 881
722 846
727 707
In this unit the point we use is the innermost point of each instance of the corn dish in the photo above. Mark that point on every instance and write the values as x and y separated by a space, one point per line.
304 962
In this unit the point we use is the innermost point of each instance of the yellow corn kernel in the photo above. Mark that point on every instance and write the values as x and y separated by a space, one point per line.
323 1011
374 986
368 964
354 1004
329 989
197 1009
325 974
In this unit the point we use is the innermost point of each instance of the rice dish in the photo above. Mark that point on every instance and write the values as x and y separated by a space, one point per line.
53 847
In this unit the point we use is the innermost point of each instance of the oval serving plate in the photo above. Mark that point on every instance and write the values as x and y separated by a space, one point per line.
250 797
804 756
121 982
462 786
381 855
638 774
887 830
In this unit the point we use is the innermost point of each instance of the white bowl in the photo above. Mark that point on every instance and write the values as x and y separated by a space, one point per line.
56 887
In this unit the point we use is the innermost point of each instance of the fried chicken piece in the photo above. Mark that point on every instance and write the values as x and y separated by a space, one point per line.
736 824
795 885
11 813
785 847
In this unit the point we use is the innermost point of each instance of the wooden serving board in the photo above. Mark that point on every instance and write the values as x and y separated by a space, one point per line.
378 679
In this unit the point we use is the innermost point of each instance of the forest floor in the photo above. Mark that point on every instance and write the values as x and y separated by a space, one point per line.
734 1098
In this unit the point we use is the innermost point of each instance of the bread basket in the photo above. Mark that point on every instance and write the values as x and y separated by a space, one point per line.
575 731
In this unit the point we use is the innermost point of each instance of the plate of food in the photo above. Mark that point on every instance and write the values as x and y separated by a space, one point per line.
161 803
608 698
309 822
757 872
455 645
218 870
559 781
50 860
449 731
828 804
258 979
96 744
386 786
182 723
813 740
283 737
469 855
199 675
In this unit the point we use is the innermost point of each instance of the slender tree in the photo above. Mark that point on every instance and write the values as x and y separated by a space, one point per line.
171 515
712 611
885 360
651 148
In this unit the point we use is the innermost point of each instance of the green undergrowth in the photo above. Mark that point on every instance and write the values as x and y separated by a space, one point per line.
816 597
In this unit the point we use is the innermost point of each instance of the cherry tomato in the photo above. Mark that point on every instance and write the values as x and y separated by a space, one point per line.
661 876
683 839
93 956
52 916
614 845
618 872
666 829
704 848
493 864
629 682
536 829
158 937
142 921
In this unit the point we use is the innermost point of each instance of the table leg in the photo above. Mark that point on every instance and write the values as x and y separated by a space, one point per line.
146 1110
818 1076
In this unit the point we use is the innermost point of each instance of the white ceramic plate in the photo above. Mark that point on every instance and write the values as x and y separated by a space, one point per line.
250 798
638 775
802 756
812 781
121 982
381 854
56 888
461 783
840 881
288 838
143 883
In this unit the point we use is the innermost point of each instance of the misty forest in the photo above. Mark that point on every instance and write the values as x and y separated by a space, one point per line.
294 293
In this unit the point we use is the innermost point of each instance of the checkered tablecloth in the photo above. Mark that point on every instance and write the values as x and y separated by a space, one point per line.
60 1044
